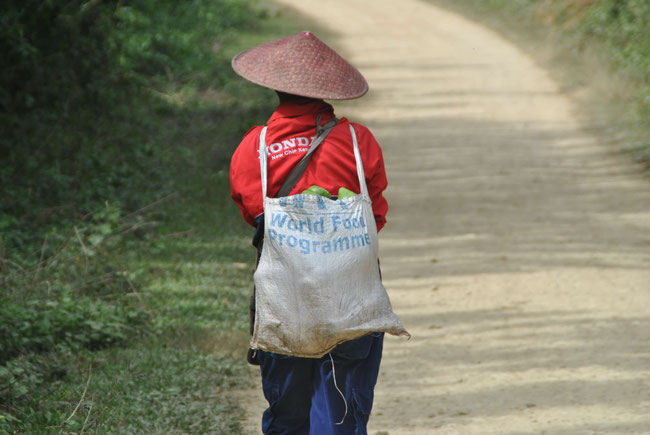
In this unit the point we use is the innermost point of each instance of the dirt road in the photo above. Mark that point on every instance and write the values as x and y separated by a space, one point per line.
518 248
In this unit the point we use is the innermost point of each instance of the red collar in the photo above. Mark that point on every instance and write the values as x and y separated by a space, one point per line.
300 107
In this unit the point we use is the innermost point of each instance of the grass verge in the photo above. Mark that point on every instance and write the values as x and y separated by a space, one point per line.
125 311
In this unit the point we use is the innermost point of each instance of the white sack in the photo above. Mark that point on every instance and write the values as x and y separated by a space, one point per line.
317 283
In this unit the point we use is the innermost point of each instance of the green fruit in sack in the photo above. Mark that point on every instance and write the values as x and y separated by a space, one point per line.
316 190
345 193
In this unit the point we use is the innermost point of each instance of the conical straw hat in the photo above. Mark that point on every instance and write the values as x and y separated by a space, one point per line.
301 64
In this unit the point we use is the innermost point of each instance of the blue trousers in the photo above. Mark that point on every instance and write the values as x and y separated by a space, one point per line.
303 398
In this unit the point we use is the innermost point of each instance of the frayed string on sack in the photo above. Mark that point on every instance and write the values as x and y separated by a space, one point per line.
340 392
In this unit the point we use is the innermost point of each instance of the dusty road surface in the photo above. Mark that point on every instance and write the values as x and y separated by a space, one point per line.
517 251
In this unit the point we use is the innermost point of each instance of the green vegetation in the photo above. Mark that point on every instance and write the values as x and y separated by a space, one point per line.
345 193
316 190
124 265
601 47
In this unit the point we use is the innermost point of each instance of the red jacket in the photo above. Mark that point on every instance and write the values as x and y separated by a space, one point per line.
291 129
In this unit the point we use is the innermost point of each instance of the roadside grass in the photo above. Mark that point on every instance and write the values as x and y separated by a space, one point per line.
148 389
132 317
160 352
598 52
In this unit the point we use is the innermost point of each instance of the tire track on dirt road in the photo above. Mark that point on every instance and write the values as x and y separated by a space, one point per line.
517 251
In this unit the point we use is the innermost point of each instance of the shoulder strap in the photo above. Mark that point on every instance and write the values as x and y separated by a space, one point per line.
321 133
357 156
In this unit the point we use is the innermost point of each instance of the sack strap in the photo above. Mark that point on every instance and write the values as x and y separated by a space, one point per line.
321 133
357 156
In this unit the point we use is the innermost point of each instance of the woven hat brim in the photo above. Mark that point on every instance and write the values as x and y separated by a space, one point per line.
301 64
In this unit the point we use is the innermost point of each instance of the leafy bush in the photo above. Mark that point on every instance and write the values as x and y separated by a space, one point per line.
623 26
64 323
60 53
70 71
150 51
55 53
620 25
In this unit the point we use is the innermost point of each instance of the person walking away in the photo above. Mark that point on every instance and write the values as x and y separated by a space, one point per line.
320 308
